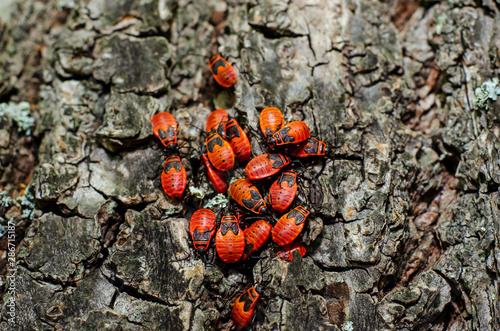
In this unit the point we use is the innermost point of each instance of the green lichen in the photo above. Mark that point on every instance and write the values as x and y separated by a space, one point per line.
197 192
3 229
65 4
488 90
440 20
5 199
170 211
27 204
348 326
19 113
219 201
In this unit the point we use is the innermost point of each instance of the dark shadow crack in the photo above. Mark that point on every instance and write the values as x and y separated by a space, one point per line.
47 279
113 299
270 33
136 293
309 40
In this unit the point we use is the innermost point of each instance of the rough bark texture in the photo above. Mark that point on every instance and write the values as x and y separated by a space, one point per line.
406 227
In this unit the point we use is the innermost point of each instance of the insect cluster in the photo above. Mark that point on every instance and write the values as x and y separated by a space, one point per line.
228 145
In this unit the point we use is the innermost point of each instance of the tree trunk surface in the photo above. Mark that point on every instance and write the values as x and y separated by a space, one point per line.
404 231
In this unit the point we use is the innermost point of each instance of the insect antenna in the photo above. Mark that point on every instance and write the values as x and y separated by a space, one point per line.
321 171
255 132
296 161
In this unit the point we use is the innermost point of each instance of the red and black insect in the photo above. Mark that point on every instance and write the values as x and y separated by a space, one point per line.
271 119
283 191
286 254
247 195
265 165
292 133
173 177
220 154
222 71
256 235
165 128
238 140
312 147
289 226
217 120
230 240
202 228
244 307
217 178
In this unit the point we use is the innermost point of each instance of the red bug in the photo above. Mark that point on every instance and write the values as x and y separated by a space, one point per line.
247 195
289 226
219 153
265 165
244 307
230 240
217 178
271 119
312 147
283 191
238 140
286 254
256 235
292 133
222 71
173 177
202 228
216 121
165 128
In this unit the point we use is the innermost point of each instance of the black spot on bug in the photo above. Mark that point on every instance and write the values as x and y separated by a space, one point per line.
172 163
232 130
216 65
214 140
162 134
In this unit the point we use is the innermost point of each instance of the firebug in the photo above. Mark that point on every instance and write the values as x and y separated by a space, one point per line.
291 133
216 177
289 226
202 227
283 191
238 140
256 235
247 195
220 154
244 307
173 177
286 254
222 71
265 165
216 121
165 128
230 240
312 147
271 119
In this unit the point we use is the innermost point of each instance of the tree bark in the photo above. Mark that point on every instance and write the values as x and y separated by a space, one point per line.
404 232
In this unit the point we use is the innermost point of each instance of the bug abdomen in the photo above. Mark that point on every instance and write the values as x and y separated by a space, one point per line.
289 226
230 240
174 177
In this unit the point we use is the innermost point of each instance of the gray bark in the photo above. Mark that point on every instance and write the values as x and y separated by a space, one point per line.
405 232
